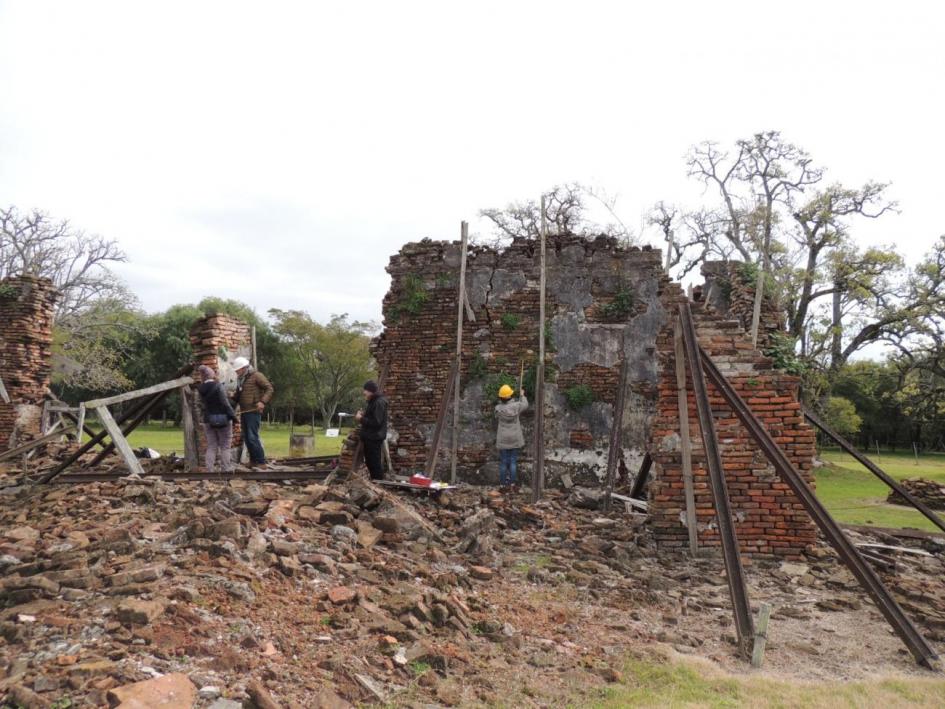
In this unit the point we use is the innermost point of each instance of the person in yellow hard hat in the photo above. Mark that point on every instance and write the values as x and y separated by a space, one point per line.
509 437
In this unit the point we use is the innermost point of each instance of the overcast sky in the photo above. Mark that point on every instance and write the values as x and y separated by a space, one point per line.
279 153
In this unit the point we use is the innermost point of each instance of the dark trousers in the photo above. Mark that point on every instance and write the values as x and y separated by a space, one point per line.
250 422
374 458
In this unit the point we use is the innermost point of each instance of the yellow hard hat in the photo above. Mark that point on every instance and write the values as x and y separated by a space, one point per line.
505 391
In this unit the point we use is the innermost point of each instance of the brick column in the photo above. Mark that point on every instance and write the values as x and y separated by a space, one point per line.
27 307
217 340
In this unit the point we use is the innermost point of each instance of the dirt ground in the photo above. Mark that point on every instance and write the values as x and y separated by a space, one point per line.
314 596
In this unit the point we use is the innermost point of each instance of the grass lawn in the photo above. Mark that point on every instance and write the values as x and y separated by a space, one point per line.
658 682
275 439
854 495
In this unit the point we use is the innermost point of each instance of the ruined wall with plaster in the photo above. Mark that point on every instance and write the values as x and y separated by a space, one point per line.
217 340
27 308
604 302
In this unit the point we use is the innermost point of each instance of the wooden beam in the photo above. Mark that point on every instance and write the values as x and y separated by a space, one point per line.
643 474
460 300
138 393
470 315
430 467
538 478
121 443
761 635
685 441
191 439
95 439
79 424
30 445
3 392
616 431
126 430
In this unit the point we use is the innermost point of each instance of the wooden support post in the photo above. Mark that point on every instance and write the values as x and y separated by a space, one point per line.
136 421
538 479
430 467
460 300
643 474
616 432
80 424
252 333
191 441
761 635
121 443
95 439
685 441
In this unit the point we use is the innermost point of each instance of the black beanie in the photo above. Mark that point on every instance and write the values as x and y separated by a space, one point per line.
370 386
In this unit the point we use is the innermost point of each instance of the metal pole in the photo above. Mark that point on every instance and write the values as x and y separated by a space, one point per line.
460 300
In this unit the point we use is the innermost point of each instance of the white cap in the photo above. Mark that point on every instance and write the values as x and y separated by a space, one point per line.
240 362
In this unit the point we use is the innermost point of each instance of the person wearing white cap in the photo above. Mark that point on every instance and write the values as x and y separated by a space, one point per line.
253 393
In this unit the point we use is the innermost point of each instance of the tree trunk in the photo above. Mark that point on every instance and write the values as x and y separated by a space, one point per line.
836 331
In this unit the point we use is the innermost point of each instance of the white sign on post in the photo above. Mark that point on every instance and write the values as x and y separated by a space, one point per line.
332 432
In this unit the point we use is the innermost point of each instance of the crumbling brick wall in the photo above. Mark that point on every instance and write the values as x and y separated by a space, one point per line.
585 342
604 302
769 519
729 290
27 308
217 340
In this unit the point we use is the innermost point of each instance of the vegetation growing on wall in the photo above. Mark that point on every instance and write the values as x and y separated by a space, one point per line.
783 353
510 321
413 298
621 306
579 396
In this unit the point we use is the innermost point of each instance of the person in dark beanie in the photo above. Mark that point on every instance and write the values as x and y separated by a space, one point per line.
373 432
218 418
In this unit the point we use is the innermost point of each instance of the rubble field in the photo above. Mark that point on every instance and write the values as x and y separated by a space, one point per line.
143 593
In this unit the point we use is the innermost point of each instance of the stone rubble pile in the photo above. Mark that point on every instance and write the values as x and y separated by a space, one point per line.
928 491
147 593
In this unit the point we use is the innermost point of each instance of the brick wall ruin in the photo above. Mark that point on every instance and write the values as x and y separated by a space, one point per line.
27 307
217 340
729 290
604 302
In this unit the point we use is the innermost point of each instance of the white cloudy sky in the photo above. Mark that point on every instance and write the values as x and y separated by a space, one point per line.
280 152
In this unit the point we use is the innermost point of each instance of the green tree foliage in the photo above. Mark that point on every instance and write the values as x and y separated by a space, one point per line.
90 354
841 416
334 357
772 207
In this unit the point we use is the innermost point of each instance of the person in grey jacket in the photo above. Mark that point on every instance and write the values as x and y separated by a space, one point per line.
509 438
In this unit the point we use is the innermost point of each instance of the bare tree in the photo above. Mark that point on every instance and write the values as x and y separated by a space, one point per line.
777 171
76 263
565 212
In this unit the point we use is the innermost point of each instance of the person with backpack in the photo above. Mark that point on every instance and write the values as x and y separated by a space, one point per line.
509 438
218 418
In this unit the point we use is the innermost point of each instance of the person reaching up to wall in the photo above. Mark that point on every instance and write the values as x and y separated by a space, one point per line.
373 431
253 393
509 437
218 418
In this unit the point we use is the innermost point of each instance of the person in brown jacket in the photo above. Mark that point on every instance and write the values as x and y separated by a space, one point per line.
253 392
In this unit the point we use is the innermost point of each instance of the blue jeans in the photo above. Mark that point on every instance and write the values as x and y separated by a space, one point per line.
250 423
508 463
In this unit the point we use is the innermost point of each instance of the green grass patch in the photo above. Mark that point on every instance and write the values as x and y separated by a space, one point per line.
275 438
854 495
663 682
